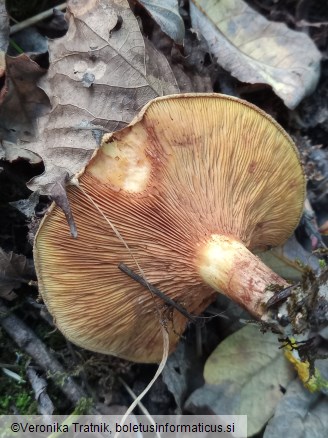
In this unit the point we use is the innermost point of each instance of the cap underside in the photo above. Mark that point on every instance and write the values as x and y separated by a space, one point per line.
187 168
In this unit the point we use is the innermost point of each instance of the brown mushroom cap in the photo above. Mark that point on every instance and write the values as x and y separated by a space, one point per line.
187 168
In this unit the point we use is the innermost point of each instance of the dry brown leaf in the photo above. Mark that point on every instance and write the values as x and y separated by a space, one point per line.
101 73
256 50
4 38
195 70
167 16
14 270
27 206
23 103
10 151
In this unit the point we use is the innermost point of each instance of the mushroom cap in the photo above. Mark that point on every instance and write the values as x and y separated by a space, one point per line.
187 167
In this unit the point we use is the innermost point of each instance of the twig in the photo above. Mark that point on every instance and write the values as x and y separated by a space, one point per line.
304 23
8 365
156 291
39 385
33 20
281 295
26 339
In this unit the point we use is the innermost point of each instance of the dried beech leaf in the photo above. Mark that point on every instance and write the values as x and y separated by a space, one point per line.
11 151
27 206
195 71
101 73
166 14
256 50
14 270
22 104
244 376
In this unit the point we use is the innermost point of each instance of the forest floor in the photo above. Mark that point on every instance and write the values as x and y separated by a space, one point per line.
39 369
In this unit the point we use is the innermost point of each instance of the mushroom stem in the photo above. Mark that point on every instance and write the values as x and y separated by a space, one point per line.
230 268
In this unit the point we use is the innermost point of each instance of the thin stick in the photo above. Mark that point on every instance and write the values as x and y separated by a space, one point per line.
280 296
39 385
156 291
194 318
27 340
33 20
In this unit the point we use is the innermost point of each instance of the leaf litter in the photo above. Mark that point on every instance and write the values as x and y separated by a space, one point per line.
15 269
101 73
23 103
166 14
243 376
290 260
265 52
300 413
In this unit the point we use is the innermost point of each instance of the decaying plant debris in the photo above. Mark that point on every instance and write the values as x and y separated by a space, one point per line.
54 108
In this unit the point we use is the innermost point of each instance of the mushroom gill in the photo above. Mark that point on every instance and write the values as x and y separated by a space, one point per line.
190 184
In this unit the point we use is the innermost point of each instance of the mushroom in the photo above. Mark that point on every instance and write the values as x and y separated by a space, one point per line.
192 185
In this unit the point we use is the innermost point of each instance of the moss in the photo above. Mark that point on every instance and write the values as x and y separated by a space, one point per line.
274 287
15 395
83 407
